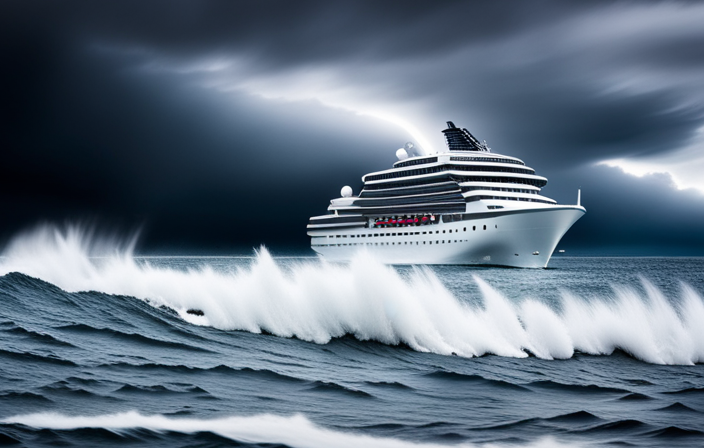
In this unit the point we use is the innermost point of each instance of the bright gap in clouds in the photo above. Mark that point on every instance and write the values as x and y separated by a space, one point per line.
684 166
684 175
330 100
319 84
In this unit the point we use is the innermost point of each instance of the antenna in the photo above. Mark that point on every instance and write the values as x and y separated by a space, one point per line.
579 196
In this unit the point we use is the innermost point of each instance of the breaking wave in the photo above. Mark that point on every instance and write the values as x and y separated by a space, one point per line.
316 301
294 431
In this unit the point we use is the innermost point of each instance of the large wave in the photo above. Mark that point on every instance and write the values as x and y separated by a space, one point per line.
294 431
316 301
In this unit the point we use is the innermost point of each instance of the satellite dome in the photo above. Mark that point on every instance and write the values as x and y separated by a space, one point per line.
401 154
346 191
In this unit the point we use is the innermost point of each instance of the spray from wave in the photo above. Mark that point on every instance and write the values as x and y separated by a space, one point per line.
316 301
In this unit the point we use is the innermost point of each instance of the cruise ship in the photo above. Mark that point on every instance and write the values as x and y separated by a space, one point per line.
466 205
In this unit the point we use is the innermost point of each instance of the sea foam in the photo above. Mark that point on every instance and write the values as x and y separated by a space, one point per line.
316 301
294 431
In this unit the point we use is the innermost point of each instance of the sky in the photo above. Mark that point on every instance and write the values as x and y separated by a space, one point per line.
213 127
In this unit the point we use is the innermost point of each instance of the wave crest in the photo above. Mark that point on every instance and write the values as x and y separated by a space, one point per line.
293 431
316 301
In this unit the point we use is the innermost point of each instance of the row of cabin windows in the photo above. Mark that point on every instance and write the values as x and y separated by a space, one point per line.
485 159
457 178
405 243
504 198
372 235
508 190
416 162
437 169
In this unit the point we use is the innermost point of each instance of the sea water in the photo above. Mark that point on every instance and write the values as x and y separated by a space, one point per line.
101 347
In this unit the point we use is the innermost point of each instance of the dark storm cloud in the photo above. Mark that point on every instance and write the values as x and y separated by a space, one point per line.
197 117
631 216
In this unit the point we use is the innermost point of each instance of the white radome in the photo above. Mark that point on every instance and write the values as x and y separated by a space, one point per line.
346 191
401 154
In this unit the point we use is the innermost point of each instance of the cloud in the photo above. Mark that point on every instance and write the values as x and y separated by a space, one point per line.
165 111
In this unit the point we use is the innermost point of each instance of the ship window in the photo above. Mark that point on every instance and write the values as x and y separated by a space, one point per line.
431 242
465 229
496 226
474 227
443 231
437 231
405 233
484 226
423 242
424 233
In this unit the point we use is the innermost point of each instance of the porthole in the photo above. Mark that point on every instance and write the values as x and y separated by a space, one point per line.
484 226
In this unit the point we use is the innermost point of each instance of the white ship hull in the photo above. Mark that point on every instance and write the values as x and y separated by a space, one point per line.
524 238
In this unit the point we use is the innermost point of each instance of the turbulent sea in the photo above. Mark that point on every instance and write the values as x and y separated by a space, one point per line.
99 347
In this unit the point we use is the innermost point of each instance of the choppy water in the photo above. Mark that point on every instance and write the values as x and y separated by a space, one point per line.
97 348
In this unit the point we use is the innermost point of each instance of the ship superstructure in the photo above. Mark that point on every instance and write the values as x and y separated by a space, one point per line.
463 206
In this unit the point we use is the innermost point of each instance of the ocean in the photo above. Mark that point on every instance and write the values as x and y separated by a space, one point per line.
102 347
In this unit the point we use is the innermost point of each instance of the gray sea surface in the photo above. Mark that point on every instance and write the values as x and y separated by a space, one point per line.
267 351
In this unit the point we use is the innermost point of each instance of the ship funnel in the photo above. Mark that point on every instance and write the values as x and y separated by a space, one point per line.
461 139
